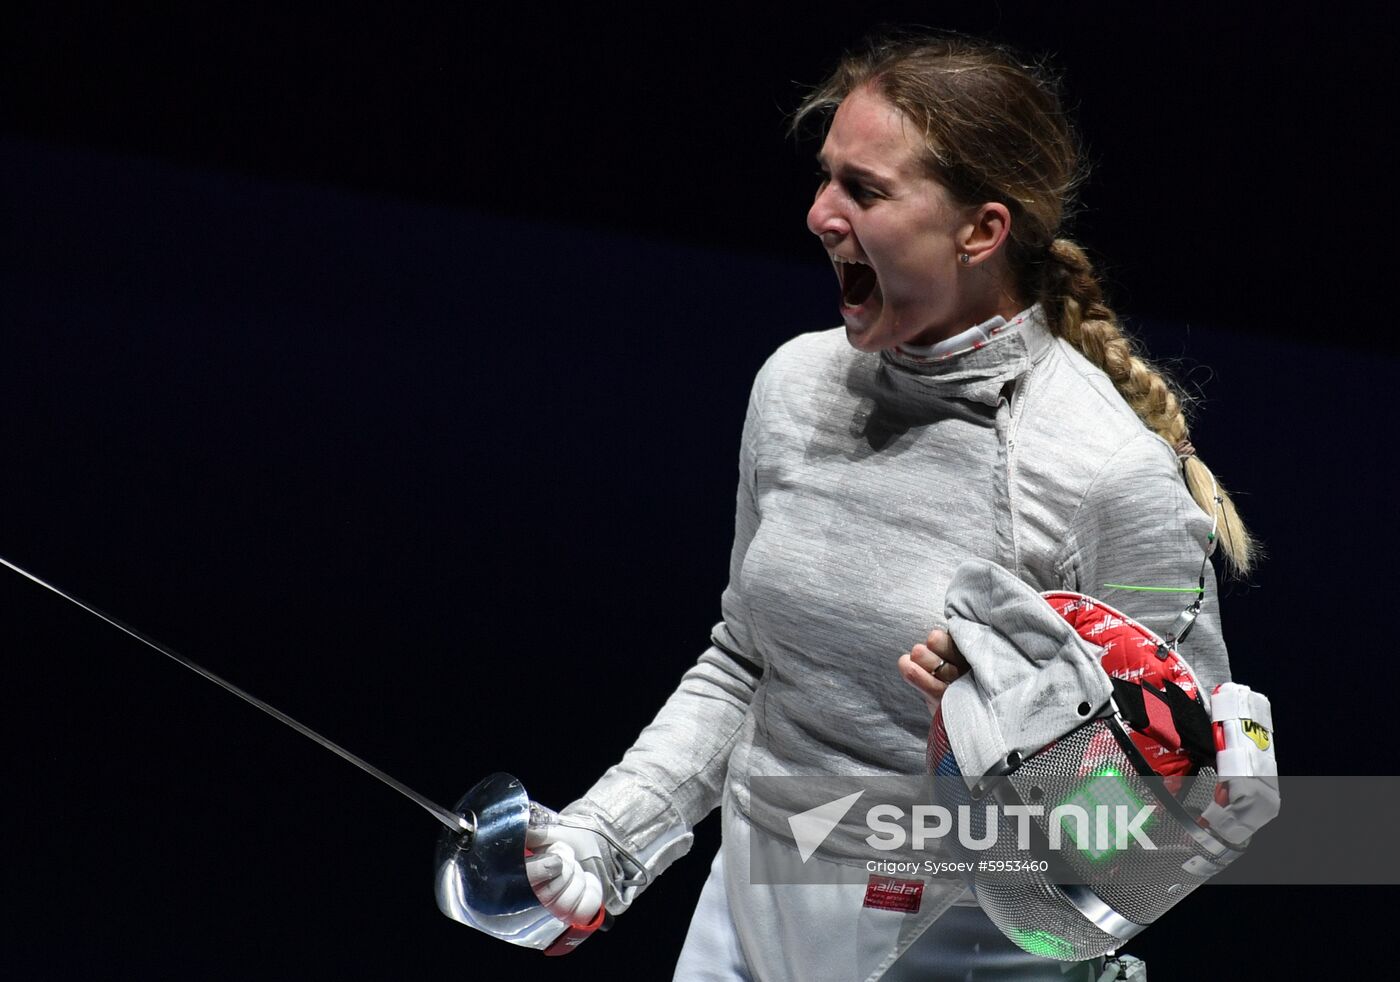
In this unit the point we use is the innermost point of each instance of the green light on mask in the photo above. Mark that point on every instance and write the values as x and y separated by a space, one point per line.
1044 943
1106 793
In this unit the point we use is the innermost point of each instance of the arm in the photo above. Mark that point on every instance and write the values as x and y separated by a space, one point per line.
673 775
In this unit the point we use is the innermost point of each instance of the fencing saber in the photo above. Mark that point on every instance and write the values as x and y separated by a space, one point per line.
459 824
480 866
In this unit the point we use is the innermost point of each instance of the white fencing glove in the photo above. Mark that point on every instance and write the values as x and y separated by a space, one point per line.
583 877
567 869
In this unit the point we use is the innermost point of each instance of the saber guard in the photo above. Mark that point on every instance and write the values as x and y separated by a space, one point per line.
480 877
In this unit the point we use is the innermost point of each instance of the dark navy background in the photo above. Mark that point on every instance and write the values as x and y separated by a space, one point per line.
394 368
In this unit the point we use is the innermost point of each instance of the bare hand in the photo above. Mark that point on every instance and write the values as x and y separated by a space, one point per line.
932 666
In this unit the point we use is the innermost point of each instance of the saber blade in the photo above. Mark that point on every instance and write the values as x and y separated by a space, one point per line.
446 816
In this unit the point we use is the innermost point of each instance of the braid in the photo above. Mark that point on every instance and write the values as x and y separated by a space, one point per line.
1073 299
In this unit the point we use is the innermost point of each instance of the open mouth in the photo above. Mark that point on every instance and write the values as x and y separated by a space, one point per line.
857 281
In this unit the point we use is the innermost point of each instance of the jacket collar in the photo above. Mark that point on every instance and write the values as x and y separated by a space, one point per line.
996 352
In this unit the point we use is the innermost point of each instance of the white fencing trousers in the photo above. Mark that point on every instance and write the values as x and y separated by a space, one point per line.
962 945
711 952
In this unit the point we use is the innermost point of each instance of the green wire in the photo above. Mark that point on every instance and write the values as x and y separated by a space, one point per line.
1154 589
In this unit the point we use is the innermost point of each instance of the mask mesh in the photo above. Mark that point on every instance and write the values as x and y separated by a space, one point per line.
1088 768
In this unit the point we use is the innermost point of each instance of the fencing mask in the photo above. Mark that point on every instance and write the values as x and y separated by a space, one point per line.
1109 785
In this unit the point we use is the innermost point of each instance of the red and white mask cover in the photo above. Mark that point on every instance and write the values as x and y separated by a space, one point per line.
1159 698
1143 727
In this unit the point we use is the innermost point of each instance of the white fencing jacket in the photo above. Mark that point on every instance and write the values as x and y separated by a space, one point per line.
864 481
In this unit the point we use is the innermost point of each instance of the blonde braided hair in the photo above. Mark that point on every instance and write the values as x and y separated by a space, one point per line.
1073 300
994 130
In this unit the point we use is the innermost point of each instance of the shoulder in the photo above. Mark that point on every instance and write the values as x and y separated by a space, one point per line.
1115 477
1075 415
815 351
803 367
1084 466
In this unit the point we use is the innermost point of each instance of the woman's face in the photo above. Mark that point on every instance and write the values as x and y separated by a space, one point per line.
892 232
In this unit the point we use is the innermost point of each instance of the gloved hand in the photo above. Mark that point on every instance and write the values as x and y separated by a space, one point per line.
568 869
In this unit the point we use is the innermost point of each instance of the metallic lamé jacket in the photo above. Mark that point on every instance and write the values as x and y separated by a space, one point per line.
864 481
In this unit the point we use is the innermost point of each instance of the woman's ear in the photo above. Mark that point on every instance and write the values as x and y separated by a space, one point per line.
987 229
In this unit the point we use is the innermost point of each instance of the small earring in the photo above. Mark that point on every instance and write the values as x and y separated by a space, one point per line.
966 259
